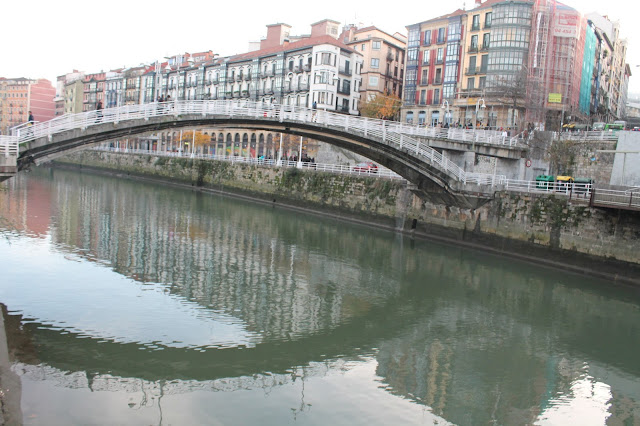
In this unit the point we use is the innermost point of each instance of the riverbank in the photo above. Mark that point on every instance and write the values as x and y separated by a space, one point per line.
537 228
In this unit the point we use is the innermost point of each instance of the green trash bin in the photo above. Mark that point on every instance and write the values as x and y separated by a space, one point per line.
583 185
545 182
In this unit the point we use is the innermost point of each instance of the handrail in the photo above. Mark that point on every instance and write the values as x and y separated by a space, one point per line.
380 172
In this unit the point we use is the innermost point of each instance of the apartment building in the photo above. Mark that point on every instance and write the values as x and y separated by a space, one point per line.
93 90
66 100
433 69
316 68
20 95
383 59
612 73
514 64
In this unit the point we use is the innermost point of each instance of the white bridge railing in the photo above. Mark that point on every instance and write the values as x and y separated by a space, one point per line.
380 172
390 133
8 146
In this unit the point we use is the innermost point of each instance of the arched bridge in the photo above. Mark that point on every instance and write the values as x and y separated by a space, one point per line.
386 142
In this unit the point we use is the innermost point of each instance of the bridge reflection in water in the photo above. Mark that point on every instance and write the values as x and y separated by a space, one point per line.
314 306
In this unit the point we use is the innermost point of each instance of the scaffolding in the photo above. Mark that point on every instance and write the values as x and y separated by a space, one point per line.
555 65
537 76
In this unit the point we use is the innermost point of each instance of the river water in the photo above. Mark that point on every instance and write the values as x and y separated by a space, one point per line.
129 302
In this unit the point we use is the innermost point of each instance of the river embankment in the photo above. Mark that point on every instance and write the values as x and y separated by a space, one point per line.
540 228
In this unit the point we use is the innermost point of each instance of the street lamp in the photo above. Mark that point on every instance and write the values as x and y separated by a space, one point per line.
478 106
288 78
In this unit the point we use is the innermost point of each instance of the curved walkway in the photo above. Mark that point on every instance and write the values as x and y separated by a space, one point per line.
392 134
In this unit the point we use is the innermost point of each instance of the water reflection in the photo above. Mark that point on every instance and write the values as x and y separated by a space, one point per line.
148 290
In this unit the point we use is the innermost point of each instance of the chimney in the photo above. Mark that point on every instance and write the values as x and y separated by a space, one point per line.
478 2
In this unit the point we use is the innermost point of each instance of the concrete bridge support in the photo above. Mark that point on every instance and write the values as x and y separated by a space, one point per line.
8 166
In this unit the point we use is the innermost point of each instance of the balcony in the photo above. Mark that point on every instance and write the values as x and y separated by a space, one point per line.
424 82
345 71
437 80
239 77
306 68
390 57
475 27
267 74
439 61
487 25
484 48
303 86
440 40
472 71
473 49
247 77
344 91
436 101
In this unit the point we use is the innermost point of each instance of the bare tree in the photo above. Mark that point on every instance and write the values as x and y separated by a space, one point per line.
509 89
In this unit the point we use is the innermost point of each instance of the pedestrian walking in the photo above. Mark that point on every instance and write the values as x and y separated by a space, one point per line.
99 112
30 122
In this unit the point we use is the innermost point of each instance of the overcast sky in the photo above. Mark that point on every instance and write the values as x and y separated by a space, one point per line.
44 38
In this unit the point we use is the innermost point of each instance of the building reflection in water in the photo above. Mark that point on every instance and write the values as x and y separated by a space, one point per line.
474 338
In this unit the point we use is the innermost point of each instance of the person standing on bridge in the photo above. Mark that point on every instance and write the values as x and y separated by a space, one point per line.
30 122
314 107
99 111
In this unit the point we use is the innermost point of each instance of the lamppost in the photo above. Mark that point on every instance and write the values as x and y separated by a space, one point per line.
288 78
478 106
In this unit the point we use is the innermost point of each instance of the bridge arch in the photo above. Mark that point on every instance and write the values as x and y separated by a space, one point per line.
387 143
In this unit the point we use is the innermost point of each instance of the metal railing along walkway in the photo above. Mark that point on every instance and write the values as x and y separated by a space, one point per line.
380 172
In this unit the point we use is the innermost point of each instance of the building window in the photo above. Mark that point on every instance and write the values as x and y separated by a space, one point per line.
487 20
485 40
326 59
410 117
439 56
376 45
422 118
373 81
423 97
375 62
427 38
471 83
425 57
476 23
440 35
474 42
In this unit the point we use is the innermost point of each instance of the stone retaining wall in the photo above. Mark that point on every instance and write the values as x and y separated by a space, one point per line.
535 227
